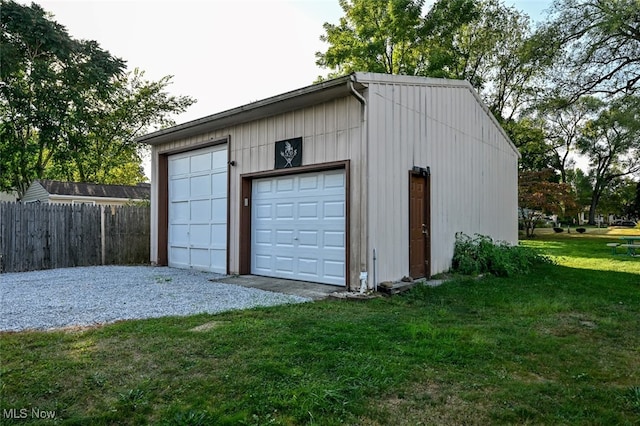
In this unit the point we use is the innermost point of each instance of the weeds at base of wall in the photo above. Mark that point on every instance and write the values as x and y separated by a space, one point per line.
481 255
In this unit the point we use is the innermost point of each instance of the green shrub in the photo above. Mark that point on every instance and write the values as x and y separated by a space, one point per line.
481 255
581 230
557 230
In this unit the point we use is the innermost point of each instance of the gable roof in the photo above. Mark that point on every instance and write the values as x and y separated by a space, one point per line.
140 191
310 95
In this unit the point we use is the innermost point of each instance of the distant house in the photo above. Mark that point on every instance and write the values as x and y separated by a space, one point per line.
8 196
53 191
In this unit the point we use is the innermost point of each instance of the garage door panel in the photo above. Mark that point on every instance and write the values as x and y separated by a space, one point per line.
198 209
308 210
307 226
284 237
219 185
284 264
284 185
179 235
179 166
219 160
263 237
180 256
218 259
334 239
200 235
219 236
219 210
262 211
179 188
334 180
200 162
334 269
262 187
283 211
308 239
199 258
308 183
308 266
333 209
179 211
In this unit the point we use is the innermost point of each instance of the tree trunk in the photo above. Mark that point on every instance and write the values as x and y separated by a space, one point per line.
594 204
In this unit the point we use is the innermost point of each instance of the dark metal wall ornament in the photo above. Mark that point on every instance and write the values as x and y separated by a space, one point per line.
288 153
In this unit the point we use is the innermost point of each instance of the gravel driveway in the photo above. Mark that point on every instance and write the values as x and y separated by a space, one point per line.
92 295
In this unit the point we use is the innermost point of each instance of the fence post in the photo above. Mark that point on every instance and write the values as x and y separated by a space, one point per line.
102 235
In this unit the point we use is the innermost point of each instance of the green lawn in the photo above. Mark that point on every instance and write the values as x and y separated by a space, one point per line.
558 346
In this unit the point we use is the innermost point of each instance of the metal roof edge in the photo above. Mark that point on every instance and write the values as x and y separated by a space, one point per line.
364 77
266 107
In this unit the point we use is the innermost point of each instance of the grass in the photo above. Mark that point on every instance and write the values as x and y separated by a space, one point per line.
558 346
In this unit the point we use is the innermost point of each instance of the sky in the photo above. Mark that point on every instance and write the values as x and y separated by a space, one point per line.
224 53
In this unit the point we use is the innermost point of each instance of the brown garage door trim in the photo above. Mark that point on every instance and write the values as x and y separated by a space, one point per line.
245 208
163 194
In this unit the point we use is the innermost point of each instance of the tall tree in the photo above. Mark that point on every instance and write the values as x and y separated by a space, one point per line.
376 36
67 108
459 39
135 105
563 123
48 80
634 209
600 41
611 142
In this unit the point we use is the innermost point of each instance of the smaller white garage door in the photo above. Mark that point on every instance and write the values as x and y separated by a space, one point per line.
298 227
198 209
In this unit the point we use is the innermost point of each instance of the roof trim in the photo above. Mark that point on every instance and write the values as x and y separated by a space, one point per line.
289 101
57 188
367 78
306 96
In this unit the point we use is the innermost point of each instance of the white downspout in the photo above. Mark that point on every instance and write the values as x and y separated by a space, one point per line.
364 150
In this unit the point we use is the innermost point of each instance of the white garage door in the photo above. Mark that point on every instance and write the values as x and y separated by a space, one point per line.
298 227
198 209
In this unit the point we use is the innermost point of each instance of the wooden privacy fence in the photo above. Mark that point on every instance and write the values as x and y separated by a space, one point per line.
43 236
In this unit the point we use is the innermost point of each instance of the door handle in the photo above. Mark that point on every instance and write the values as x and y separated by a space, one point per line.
424 230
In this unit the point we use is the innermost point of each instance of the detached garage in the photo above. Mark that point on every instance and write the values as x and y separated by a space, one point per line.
364 177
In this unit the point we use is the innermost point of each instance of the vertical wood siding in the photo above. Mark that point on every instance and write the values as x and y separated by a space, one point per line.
473 171
44 236
331 131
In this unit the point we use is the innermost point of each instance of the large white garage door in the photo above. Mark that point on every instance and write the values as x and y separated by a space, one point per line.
198 209
298 227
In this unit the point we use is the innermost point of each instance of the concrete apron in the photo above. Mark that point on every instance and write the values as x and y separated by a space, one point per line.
313 291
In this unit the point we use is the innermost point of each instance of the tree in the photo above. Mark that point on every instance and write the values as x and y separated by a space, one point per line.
482 41
528 136
618 197
538 194
490 45
375 36
582 188
49 79
634 208
135 105
446 53
612 144
563 123
67 108
600 42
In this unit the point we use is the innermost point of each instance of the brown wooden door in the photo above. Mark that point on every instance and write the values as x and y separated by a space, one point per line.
419 226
